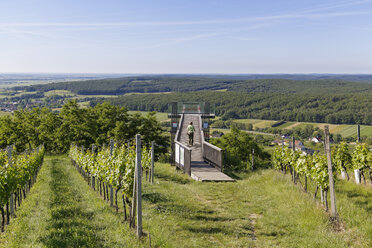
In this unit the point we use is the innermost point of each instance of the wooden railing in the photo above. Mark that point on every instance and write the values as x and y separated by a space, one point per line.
211 153
182 152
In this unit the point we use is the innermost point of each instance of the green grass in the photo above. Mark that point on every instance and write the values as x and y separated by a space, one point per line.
225 131
3 113
159 115
355 206
84 104
257 123
62 211
261 209
59 93
344 130
264 209
79 96
286 124
351 131
366 131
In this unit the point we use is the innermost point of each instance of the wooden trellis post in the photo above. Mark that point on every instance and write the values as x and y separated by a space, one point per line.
253 159
330 173
11 200
152 160
93 177
139 185
111 189
294 150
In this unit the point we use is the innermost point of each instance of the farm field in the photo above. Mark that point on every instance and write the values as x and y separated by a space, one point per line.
3 113
59 93
256 122
344 130
159 116
225 130
261 209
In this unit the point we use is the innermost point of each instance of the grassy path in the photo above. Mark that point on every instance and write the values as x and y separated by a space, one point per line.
262 209
62 211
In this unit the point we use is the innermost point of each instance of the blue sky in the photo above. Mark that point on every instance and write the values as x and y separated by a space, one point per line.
186 36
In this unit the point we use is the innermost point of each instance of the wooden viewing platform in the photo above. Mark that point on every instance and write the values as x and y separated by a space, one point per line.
200 170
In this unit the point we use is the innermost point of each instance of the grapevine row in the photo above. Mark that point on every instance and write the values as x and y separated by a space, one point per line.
360 160
112 167
315 166
17 174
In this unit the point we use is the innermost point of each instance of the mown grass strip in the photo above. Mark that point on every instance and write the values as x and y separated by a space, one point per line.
62 211
263 209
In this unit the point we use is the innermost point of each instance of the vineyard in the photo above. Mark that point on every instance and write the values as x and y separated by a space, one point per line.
100 188
18 174
262 209
315 167
113 169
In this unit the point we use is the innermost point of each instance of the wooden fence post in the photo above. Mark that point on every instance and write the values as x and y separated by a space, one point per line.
139 185
111 189
358 133
152 160
93 178
294 150
253 159
330 173
134 201
11 200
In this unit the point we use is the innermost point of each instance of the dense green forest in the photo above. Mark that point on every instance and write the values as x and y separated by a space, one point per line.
323 100
120 86
80 126
330 108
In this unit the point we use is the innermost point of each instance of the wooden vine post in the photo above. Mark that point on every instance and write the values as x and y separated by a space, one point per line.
294 150
93 178
252 159
139 185
357 173
330 173
111 189
152 160
134 201
11 200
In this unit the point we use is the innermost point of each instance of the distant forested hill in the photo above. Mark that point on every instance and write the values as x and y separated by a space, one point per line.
120 86
323 100
305 107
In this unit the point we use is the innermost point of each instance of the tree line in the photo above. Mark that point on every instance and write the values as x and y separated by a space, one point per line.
152 84
321 108
239 148
82 126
